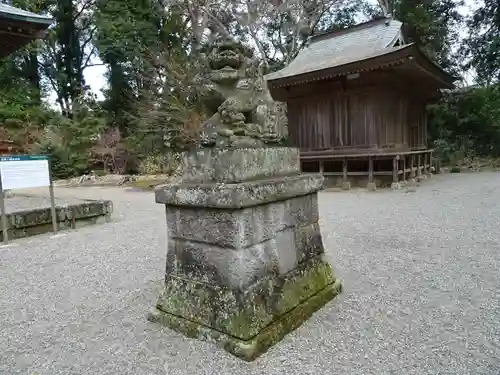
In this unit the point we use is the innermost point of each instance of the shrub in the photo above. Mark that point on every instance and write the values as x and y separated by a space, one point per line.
159 164
64 164
466 124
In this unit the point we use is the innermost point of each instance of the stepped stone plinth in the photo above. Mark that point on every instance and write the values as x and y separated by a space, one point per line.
245 261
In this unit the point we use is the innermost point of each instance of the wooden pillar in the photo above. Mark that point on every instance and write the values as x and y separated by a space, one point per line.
395 169
346 185
370 169
404 167
426 163
412 165
419 165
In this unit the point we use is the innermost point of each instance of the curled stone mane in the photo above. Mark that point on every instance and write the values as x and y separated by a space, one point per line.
244 114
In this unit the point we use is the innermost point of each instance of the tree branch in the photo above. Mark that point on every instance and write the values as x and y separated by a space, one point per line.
85 6
87 60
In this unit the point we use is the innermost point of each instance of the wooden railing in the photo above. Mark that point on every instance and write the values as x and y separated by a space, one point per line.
405 164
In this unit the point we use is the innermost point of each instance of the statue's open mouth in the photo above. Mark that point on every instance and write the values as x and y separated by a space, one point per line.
226 59
225 75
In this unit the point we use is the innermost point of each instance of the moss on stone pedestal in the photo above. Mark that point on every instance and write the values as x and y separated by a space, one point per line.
247 324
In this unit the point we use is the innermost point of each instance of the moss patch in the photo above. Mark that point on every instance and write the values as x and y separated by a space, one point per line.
257 345
244 316
147 184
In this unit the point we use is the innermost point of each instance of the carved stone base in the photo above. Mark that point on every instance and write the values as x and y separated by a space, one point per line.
295 310
245 254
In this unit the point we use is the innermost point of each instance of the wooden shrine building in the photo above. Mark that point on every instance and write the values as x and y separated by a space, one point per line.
356 102
17 28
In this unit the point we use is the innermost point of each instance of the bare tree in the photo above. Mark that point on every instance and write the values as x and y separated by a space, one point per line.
174 105
111 151
277 29
386 6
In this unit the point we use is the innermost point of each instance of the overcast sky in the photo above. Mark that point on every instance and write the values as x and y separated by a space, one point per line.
94 76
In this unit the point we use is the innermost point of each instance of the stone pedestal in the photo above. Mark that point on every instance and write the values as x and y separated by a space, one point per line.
346 185
371 186
245 259
412 182
396 186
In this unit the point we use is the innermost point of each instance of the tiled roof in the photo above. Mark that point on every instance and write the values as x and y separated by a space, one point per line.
7 11
364 41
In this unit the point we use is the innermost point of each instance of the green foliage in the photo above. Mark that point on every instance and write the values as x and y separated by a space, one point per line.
483 43
128 35
466 123
70 142
165 163
22 115
166 110
174 115
153 51
17 90
433 25
35 128
61 163
67 51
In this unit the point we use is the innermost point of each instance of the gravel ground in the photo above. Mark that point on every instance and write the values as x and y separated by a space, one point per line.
420 270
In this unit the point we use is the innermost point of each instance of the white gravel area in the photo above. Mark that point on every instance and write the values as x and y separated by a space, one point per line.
421 272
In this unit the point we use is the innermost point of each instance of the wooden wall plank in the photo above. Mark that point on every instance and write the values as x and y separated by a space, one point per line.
329 116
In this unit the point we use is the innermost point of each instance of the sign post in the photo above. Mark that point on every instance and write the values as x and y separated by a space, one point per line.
24 172
52 201
5 234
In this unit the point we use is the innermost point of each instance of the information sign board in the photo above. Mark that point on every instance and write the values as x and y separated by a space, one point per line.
24 171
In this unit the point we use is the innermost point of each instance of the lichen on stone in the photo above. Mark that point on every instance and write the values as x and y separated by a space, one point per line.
245 314
245 113
258 344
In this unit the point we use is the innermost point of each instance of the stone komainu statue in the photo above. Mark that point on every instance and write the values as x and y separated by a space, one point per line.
244 113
